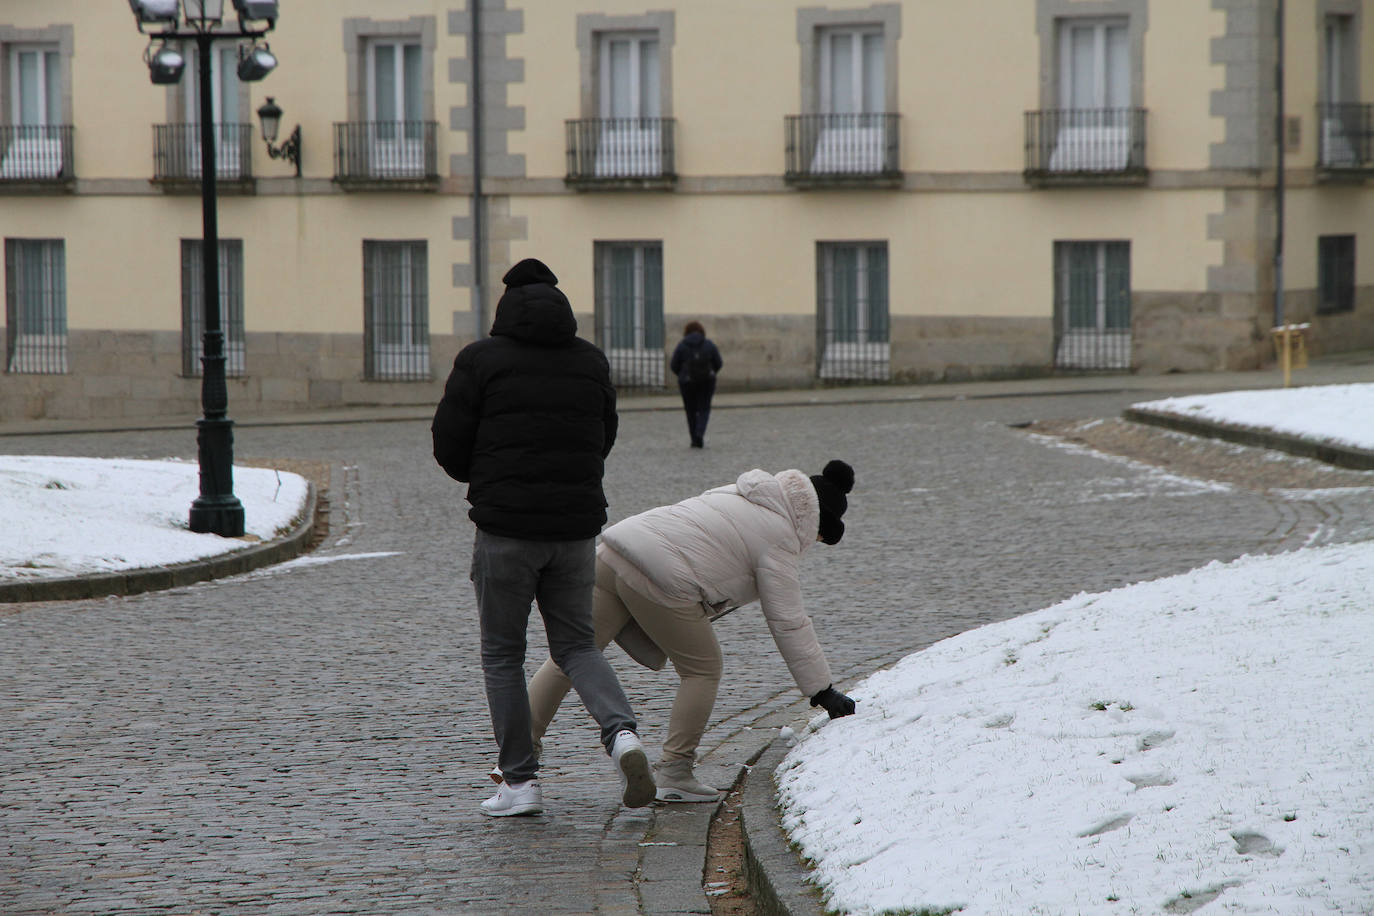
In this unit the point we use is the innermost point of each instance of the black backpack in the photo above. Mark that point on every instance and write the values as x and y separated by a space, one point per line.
699 367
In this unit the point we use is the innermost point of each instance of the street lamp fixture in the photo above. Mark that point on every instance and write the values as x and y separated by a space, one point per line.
256 10
164 65
217 510
255 62
270 116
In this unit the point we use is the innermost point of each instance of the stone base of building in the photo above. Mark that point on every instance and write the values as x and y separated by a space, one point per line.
123 375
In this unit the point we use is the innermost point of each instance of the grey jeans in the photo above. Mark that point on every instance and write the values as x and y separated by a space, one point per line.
508 574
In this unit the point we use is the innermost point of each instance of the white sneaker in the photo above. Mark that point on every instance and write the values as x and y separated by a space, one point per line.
512 799
677 783
636 778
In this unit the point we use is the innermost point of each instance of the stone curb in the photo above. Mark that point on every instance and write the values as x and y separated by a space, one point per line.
778 882
155 578
1345 456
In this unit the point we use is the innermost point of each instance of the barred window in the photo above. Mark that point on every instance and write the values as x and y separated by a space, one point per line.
629 311
35 306
230 306
1092 305
1335 274
396 310
852 311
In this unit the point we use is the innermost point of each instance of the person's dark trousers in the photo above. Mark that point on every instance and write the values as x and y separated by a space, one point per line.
696 401
509 573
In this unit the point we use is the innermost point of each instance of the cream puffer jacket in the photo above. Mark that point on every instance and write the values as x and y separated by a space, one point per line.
724 549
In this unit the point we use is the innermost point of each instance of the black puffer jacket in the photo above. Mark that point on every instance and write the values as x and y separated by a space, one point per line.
528 417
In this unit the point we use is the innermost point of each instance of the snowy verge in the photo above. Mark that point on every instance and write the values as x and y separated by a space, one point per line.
1148 749
76 516
1342 414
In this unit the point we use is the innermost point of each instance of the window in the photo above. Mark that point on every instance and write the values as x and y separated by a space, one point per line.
1094 129
34 139
230 305
396 310
390 140
35 306
852 310
231 150
853 99
395 114
631 134
1335 274
629 311
1344 134
1092 305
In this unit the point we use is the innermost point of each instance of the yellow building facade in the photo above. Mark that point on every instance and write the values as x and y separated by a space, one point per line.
899 191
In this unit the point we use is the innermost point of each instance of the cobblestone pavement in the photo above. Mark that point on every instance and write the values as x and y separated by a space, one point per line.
314 738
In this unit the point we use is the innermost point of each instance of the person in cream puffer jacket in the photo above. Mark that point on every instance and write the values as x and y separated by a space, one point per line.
663 576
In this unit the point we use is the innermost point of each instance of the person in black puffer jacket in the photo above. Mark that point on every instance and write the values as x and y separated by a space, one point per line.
527 420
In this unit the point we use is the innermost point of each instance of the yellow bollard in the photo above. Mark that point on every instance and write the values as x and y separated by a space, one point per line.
1290 346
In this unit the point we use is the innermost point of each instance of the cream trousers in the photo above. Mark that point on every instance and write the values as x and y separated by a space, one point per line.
685 636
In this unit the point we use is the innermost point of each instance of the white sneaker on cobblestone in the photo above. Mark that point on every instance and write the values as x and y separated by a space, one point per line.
677 783
513 799
636 777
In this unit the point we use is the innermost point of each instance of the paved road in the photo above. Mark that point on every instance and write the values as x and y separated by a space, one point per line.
314 738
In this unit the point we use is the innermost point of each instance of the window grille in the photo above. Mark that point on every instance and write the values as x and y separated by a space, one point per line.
629 312
852 321
230 306
35 306
1092 305
396 311
1335 274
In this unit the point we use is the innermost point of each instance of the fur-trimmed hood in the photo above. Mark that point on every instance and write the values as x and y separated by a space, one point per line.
799 499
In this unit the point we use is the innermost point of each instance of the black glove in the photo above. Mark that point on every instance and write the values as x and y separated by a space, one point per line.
835 703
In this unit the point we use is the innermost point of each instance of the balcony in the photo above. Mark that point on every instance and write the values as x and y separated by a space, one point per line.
1085 146
1345 141
842 151
36 158
621 154
387 155
176 157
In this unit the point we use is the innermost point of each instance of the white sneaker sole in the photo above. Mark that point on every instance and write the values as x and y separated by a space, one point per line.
515 811
639 778
681 796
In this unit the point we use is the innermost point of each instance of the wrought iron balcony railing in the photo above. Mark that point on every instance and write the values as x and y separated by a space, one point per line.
36 153
387 154
1085 144
1345 138
176 152
842 149
621 152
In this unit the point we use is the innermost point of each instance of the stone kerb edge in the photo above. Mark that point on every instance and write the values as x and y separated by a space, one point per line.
777 880
1345 456
155 578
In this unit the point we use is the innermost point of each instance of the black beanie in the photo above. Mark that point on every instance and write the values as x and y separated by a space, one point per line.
831 485
528 272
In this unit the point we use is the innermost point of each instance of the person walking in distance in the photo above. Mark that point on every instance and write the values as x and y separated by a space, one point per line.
665 575
527 419
695 362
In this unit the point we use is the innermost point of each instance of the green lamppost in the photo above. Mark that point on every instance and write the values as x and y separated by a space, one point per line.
217 510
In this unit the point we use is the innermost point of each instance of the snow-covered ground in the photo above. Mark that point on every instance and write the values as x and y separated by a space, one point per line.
1338 413
1204 740
74 516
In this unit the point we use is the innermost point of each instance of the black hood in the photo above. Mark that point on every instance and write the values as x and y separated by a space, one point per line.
533 308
